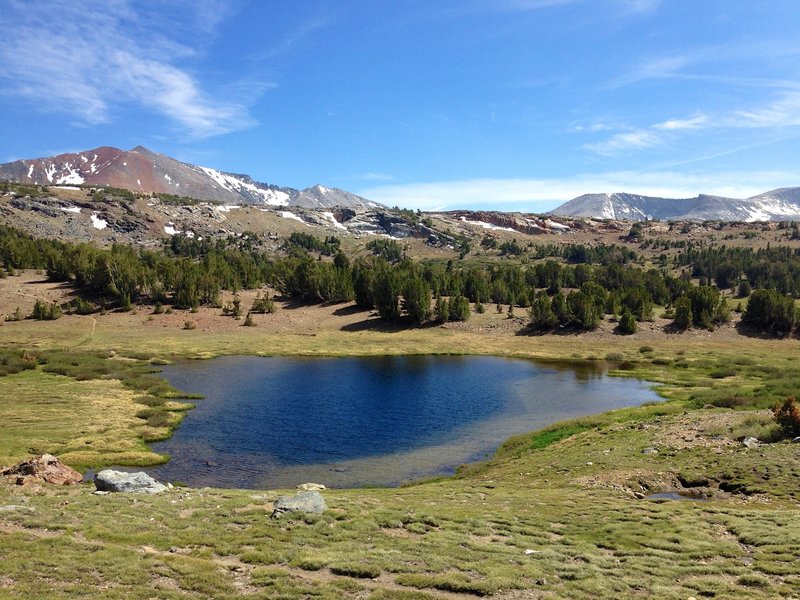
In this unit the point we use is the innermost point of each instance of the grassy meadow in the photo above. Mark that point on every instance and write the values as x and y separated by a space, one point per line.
559 513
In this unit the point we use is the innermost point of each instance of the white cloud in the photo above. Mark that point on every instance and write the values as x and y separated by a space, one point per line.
371 176
695 122
540 195
782 112
91 63
630 140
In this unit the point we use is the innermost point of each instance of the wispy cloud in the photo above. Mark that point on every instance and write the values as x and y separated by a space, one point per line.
539 195
621 142
779 113
292 39
695 122
371 176
90 63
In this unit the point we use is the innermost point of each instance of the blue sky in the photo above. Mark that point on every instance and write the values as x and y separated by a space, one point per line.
496 104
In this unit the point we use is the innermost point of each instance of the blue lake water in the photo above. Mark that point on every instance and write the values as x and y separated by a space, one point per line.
346 422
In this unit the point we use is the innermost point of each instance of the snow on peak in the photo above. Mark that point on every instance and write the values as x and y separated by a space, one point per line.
237 185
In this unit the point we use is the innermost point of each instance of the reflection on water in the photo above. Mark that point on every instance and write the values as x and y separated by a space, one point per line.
345 422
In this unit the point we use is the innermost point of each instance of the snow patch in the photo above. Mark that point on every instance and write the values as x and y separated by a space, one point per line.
72 176
485 225
227 207
49 172
169 229
30 172
71 209
139 182
239 186
332 219
97 222
553 225
290 215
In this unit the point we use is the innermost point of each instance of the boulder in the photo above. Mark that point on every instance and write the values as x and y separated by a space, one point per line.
109 480
310 503
750 443
44 467
311 487
650 451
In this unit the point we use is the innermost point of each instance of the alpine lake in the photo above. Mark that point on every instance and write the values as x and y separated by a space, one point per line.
276 422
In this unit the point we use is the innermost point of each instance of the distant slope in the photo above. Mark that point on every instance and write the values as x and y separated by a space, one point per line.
143 170
776 205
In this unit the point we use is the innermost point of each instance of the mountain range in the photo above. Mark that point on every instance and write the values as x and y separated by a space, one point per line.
142 170
777 205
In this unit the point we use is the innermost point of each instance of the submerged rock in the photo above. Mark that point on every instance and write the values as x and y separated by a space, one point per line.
109 480
44 467
310 503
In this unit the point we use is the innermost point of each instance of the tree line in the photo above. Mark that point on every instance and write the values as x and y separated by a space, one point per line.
575 290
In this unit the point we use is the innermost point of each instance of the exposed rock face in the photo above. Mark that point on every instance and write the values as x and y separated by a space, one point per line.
44 467
310 503
523 223
109 480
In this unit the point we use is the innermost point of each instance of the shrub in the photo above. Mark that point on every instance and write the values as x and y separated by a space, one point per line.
683 313
787 415
442 310
16 315
771 310
81 307
45 312
263 305
627 323
248 321
645 349
459 308
189 325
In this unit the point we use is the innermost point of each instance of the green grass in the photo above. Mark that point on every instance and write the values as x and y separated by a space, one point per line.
554 512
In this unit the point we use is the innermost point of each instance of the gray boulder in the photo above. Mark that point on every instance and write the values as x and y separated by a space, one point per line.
750 442
310 503
109 480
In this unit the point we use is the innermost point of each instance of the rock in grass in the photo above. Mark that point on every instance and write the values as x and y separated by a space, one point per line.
310 503
650 451
750 442
44 467
311 487
109 480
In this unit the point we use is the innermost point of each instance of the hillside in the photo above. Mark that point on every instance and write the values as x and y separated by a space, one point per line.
776 205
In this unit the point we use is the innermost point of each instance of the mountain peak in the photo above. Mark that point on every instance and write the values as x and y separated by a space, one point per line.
142 170
777 205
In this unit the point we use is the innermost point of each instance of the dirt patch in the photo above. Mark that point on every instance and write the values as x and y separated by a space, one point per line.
700 430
